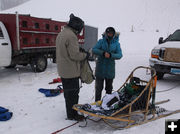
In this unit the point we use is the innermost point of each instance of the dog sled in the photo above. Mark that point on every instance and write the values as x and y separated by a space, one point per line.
135 104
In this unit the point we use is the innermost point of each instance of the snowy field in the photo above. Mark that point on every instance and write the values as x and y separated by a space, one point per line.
36 114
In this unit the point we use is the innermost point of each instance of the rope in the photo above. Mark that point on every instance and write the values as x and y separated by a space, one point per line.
168 89
64 128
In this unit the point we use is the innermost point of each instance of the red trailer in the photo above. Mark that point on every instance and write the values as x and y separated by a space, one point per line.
29 40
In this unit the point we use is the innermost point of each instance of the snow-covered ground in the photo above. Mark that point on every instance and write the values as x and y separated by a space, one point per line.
36 114
33 113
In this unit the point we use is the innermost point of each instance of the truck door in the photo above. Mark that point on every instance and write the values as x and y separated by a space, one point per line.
5 46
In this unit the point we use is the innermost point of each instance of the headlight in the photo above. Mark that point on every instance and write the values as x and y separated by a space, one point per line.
155 53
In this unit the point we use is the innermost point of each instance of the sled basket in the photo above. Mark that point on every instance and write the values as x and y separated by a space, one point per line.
137 107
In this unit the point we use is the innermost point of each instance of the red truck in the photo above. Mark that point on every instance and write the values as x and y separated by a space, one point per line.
30 40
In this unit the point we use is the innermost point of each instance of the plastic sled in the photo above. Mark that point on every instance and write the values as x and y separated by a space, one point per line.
140 108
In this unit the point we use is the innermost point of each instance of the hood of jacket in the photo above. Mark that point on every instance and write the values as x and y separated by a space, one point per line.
115 37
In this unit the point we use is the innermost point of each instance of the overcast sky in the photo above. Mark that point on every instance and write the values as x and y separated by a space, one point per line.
6 4
147 15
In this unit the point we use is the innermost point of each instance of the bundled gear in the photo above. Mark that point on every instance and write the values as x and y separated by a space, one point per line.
5 114
76 23
86 74
56 80
112 102
51 92
3 110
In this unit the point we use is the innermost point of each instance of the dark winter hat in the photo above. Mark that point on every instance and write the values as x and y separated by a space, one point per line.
76 23
110 30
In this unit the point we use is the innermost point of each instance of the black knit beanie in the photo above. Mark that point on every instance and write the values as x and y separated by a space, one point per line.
76 23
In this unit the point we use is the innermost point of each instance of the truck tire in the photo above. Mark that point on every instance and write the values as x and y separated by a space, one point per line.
39 64
54 60
11 66
159 75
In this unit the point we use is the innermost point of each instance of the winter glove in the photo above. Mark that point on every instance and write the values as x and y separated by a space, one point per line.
82 50
87 55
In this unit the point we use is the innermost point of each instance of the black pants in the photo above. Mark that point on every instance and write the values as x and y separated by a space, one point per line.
99 85
71 95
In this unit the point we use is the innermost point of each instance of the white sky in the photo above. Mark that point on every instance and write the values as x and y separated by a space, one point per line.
147 15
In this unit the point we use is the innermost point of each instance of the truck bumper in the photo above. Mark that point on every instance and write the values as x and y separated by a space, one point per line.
165 67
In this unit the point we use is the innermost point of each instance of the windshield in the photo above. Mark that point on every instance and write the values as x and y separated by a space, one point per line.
175 36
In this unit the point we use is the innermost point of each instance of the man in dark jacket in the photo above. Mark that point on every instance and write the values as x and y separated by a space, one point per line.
68 59
108 50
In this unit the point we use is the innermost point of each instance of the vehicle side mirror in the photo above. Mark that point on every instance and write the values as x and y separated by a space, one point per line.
161 40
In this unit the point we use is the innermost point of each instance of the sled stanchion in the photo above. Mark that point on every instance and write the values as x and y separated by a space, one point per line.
149 94
154 91
129 118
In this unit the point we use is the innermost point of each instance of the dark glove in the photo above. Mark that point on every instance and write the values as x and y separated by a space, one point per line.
87 55
82 50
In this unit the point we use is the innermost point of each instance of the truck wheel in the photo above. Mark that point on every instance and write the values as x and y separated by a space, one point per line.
11 66
25 64
54 60
159 75
39 64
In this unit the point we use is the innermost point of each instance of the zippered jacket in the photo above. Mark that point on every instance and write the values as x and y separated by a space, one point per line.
105 67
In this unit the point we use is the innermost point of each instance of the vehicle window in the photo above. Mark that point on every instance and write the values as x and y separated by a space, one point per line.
175 36
24 23
36 25
37 41
47 26
1 33
56 27
25 41
47 40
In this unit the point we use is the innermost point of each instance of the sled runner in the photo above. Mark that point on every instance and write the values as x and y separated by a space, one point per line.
132 104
